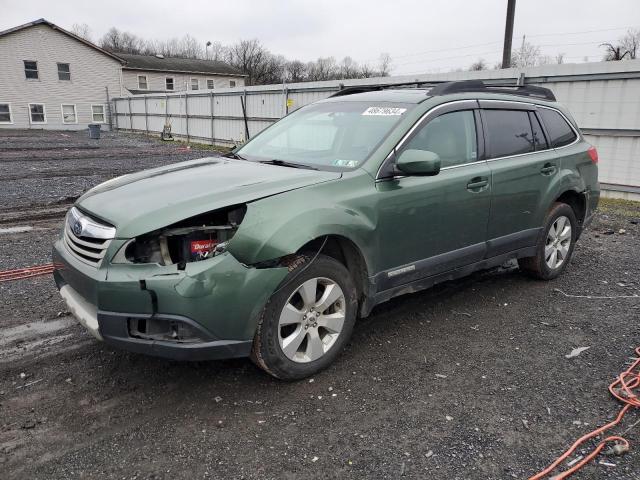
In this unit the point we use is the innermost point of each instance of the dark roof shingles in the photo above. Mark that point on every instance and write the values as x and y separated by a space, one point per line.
173 64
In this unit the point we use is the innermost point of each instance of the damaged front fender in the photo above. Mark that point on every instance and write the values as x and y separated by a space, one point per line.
280 225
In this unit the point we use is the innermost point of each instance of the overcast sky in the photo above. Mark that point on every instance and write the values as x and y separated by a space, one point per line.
420 35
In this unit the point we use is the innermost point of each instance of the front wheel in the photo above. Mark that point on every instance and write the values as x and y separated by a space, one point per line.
307 321
555 244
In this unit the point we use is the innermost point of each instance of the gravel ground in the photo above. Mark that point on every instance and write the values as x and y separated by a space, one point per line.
44 168
467 380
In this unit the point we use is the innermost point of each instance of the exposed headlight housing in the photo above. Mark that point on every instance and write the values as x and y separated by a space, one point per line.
191 240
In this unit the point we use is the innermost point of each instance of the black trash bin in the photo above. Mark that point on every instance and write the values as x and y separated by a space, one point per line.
94 131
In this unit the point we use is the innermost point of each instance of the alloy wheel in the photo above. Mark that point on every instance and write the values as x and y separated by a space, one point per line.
558 242
311 320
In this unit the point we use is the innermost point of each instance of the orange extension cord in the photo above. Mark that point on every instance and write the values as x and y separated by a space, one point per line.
623 389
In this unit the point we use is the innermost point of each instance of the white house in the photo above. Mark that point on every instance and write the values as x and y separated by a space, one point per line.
53 79
155 73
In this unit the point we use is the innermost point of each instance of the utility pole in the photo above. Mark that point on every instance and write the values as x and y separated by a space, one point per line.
508 34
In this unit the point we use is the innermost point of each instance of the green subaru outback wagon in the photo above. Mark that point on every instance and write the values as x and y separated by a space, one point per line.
274 251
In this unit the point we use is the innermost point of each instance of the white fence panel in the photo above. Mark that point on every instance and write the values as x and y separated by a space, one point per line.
604 98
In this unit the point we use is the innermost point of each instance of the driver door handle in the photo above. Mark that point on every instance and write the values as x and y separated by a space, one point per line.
477 184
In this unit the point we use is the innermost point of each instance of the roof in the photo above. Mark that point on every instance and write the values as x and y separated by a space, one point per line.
399 95
42 21
174 64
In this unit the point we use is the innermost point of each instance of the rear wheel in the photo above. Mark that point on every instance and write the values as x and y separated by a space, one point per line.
555 244
307 321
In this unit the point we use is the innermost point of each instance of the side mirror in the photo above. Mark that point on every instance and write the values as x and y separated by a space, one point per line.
418 162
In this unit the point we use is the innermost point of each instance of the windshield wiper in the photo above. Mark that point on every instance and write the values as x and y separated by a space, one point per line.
284 163
234 155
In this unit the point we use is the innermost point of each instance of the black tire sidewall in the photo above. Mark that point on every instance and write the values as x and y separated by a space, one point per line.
558 210
270 354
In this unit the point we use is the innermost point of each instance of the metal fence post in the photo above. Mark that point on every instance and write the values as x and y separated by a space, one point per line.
146 116
115 112
186 112
130 116
213 121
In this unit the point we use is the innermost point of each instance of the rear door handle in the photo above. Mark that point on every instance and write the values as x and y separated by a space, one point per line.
548 169
477 184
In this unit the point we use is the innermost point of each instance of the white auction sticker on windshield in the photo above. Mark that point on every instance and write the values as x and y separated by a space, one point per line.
384 111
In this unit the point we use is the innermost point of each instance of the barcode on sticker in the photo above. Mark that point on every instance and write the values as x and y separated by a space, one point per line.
384 111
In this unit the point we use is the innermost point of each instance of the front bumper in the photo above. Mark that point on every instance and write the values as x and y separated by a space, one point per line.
220 298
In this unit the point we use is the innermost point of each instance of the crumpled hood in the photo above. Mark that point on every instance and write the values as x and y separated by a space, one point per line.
145 201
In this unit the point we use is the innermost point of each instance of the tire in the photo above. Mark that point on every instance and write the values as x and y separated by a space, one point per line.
297 335
554 237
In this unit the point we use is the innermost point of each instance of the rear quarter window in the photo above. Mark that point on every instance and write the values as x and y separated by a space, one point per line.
560 132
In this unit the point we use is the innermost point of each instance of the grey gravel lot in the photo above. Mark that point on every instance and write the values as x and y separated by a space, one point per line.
468 380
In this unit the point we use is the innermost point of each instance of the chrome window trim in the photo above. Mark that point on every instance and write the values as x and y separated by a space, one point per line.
421 119
411 130
577 133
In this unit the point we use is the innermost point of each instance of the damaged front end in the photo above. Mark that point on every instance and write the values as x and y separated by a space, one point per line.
174 292
195 239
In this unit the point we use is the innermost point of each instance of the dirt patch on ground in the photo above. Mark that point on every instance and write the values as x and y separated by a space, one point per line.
468 380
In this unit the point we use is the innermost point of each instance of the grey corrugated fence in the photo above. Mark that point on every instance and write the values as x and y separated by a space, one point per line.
604 98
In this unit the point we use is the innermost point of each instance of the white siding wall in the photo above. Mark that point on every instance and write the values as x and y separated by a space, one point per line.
156 80
91 72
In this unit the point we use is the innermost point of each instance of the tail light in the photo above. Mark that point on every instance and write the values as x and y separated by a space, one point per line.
593 154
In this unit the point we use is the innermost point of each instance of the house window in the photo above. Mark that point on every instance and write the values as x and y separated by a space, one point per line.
37 113
5 113
64 73
210 83
31 69
232 83
168 83
97 113
195 85
69 114
142 82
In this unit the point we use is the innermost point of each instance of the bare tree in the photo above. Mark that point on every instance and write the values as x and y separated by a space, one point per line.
82 31
528 55
348 68
190 47
218 52
614 53
367 71
480 64
631 42
384 65
322 69
296 71
124 42
559 58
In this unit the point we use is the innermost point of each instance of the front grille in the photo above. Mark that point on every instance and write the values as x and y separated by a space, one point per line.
87 239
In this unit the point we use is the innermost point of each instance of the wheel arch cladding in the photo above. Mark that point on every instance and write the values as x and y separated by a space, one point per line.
349 254
566 185
576 201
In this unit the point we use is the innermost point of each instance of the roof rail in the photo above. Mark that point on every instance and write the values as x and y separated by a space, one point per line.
479 86
353 89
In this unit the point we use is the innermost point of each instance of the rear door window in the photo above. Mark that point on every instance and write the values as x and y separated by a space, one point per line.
559 131
509 132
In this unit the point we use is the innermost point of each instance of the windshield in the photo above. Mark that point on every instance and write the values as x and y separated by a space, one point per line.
328 136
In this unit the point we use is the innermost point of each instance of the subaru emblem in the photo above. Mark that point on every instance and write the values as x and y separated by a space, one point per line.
77 228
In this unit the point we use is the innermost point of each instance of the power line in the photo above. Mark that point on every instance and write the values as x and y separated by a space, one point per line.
393 57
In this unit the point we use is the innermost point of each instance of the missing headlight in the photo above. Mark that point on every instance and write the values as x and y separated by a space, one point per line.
191 240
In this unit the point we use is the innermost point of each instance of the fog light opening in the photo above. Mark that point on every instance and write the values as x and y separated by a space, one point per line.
163 330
